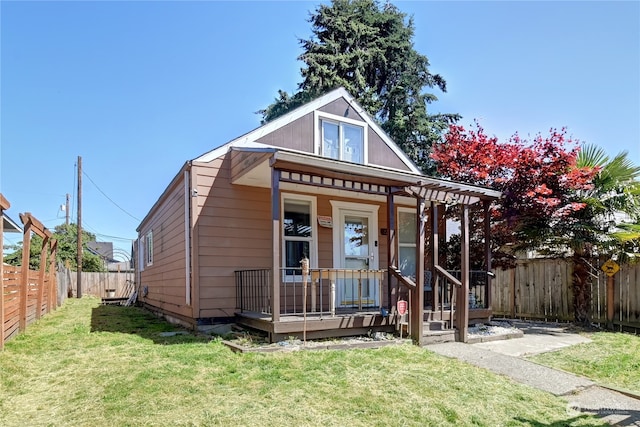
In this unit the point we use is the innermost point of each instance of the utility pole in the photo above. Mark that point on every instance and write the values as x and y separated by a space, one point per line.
79 269
66 210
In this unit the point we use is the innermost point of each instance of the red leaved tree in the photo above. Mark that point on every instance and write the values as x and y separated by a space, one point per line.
539 179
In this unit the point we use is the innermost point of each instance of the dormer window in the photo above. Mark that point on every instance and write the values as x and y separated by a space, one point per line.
342 139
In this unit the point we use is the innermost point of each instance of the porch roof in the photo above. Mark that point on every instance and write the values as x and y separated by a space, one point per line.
252 166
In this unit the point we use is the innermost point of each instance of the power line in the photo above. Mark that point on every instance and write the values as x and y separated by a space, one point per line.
98 234
109 198
125 239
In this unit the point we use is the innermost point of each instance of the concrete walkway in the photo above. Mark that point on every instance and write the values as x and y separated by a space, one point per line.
506 358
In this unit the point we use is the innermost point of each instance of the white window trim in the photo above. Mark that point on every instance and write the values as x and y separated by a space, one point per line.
400 244
319 116
313 241
149 248
140 254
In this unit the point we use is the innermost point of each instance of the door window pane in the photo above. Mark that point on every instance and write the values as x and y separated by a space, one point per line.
356 240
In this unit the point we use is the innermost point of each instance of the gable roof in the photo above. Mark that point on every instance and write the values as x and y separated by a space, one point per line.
102 249
249 139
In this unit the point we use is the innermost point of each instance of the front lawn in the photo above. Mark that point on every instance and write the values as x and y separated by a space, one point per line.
93 365
611 359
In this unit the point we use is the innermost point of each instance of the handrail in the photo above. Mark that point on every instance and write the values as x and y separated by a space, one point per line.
405 280
448 276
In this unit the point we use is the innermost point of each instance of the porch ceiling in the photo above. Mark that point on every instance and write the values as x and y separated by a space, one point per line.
252 166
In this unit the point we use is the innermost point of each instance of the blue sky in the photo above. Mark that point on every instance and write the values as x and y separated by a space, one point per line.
138 88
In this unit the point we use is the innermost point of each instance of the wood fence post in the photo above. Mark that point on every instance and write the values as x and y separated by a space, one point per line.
512 286
41 276
610 301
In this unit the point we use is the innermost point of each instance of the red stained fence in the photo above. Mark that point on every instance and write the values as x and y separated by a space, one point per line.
24 305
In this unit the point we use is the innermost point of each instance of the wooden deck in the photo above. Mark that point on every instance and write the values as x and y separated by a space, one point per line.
346 322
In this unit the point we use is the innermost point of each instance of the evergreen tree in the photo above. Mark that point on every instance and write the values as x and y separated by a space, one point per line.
367 48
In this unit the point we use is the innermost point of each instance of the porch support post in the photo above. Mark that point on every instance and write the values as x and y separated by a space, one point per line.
417 300
391 250
487 253
275 244
433 213
462 304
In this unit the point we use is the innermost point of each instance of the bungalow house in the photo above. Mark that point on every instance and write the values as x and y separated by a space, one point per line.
313 225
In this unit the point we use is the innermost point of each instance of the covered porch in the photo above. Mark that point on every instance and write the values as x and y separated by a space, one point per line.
329 299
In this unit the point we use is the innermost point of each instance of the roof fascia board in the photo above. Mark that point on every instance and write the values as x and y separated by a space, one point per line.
173 182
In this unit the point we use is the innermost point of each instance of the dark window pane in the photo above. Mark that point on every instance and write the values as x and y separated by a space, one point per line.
294 252
297 219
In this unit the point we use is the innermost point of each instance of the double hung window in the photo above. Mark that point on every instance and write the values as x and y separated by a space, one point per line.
407 242
342 141
298 232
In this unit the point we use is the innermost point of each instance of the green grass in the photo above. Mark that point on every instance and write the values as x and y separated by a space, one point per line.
610 358
93 365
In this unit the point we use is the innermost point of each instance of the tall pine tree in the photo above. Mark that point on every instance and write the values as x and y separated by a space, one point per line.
367 48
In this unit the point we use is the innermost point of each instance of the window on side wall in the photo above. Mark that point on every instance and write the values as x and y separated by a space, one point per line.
149 247
298 232
342 140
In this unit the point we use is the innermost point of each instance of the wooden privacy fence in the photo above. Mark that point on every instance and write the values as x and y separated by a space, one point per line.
542 289
101 285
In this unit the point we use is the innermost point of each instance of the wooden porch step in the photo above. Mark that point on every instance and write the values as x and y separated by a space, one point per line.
432 335
435 325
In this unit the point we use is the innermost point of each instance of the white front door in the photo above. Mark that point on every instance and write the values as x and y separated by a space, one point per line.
355 248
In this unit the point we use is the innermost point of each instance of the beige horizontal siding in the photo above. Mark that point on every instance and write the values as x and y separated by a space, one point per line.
233 228
165 279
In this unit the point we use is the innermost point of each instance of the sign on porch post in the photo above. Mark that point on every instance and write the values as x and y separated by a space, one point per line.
402 308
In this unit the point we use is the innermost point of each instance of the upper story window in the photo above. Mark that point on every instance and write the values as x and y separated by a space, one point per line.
342 138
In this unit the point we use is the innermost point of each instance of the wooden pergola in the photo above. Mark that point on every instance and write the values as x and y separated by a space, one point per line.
439 193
